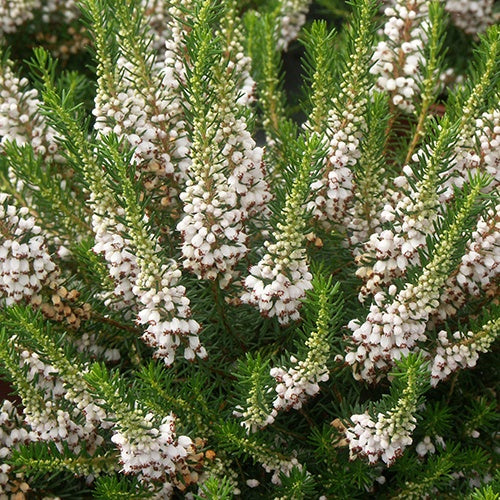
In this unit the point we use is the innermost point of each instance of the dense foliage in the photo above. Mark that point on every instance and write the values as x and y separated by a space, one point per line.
249 248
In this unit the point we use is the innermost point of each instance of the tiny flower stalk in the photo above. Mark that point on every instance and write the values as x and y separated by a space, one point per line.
462 351
153 453
267 68
469 99
394 249
290 17
430 85
43 462
226 186
254 381
318 44
345 124
34 328
70 131
279 281
11 365
64 218
105 69
386 431
370 191
301 381
271 461
399 58
164 306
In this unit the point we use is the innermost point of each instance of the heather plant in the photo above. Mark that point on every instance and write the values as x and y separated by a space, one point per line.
216 285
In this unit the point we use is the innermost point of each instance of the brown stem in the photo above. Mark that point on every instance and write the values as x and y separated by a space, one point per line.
115 323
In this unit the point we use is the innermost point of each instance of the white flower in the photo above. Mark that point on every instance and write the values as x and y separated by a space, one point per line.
153 454
25 264
398 58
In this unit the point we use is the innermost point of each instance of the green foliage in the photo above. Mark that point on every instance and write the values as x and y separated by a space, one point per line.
485 493
113 487
297 486
216 489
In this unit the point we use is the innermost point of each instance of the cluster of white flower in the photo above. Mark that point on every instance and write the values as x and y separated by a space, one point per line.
378 342
141 118
164 306
398 58
479 266
394 328
333 190
143 281
463 351
150 453
121 263
12 434
20 117
88 344
14 13
473 16
217 206
280 466
394 325
291 17
173 78
481 262
477 150
488 137
298 383
295 385
278 283
26 266
45 415
60 10
165 309
143 107
413 207
394 250
254 417
397 321
226 186
427 446
386 438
